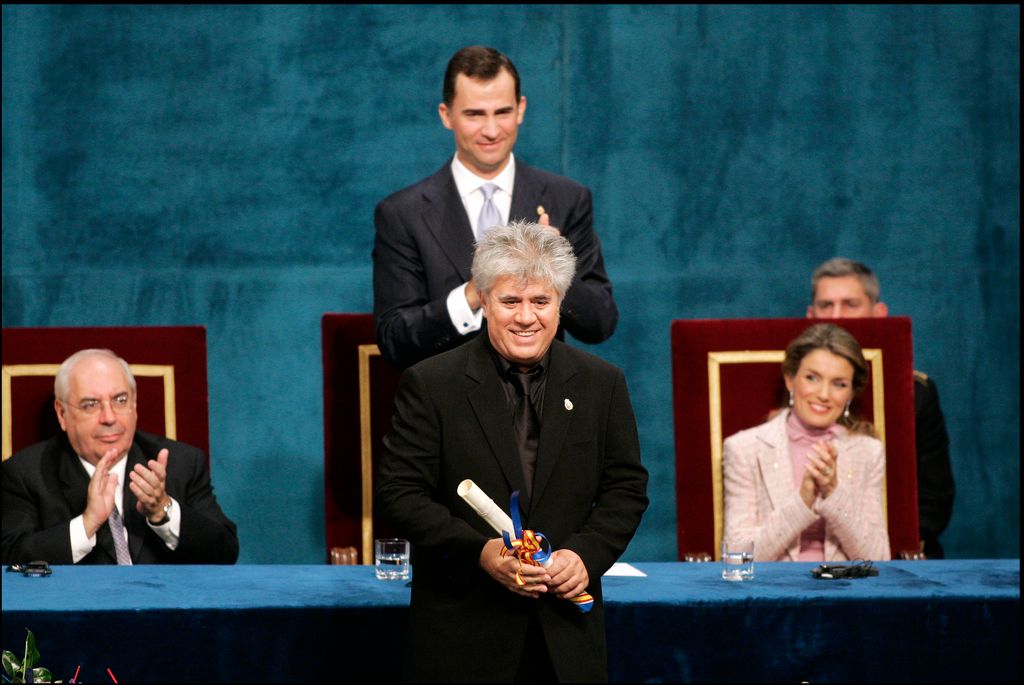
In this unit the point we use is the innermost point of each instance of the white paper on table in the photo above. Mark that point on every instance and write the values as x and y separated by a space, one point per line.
621 568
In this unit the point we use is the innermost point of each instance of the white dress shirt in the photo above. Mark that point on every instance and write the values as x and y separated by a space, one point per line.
82 544
468 184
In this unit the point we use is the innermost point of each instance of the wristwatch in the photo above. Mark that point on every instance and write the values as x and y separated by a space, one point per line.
167 514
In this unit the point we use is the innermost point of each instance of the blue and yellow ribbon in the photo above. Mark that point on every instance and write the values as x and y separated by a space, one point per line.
533 548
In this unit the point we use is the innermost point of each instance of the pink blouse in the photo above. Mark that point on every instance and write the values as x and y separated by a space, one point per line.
801 442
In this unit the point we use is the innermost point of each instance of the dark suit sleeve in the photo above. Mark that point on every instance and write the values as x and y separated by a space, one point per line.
589 312
26 536
935 488
409 324
207 536
622 495
408 483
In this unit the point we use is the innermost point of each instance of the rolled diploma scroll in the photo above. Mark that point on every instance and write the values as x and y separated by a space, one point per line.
501 522
485 506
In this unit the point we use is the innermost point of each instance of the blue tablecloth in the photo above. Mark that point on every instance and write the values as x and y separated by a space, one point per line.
916 622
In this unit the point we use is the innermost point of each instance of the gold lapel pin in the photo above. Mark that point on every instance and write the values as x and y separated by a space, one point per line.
568 404
540 210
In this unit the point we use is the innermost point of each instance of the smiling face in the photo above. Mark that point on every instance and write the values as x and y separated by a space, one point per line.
522 319
99 412
821 388
485 118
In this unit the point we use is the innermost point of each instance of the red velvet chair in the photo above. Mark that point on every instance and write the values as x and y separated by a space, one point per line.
169 364
359 393
727 376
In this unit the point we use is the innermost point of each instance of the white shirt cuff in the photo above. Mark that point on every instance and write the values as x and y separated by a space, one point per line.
464 319
169 532
81 544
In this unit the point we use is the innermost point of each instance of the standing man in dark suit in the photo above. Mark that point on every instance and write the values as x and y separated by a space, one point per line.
424 301
843 288
512 410
104 493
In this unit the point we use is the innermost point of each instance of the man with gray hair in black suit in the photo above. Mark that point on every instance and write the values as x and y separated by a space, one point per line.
103 492
513 410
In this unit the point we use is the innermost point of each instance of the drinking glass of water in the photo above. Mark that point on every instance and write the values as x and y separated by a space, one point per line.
738 559
391 558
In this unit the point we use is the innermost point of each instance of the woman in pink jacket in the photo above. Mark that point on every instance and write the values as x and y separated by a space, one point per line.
807 484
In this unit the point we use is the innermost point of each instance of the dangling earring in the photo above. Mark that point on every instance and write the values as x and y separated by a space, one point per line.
791 398
846 412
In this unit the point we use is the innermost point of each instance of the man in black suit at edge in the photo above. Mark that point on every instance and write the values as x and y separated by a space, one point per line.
424 300
512 410
65 499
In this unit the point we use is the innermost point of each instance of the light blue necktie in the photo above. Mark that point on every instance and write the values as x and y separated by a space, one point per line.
489 216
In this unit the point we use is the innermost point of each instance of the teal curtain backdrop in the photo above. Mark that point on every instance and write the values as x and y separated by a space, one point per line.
219 165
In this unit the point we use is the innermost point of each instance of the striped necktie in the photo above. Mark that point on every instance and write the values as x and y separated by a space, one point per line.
124 558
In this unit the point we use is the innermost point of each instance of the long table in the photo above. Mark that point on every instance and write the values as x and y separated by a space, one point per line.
917 621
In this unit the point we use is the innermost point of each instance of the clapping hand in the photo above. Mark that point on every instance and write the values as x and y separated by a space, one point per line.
148 485
100 495
820 473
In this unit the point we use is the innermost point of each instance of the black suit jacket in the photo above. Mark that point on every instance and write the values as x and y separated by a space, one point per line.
452 422
45 486
935 487
423 249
